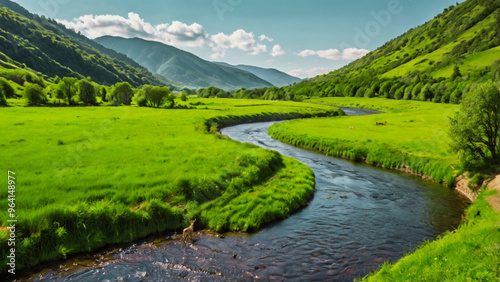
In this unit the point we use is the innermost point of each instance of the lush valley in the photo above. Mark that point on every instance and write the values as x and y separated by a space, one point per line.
108 151
181 66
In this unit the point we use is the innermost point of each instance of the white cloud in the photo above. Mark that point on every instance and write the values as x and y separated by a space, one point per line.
176 33
239 39
335 54
265 38
309 73
306 53
277 51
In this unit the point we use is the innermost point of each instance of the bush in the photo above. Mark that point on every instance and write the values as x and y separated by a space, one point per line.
87 93
184 96
33 93
3 100
122 94
7 88
157 96
140 96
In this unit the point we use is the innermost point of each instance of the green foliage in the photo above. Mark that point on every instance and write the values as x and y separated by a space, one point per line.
122 94
213 92
87 92
157 96
6 88
3 100
184 96
69 88
34 95
475 129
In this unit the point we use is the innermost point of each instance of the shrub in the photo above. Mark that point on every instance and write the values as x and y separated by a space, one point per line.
3 100
87 93
7 88
184 96
122 94
33 93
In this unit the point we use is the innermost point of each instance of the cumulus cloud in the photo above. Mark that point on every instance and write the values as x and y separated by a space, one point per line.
239 39
176 33
277 51
309 73
335 54
265 38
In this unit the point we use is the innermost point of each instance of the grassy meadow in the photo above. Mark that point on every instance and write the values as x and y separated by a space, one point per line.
91 176
414 135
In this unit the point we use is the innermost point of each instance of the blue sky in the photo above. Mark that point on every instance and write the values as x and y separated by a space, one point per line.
303 38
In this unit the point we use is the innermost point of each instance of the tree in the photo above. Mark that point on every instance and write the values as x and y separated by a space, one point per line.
7 89
184 96
140 96
33 93
68 86
157 96
3 100
475 129
60 93
122 94
87 92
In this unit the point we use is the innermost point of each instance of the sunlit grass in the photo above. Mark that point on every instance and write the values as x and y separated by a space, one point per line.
91 176
414 135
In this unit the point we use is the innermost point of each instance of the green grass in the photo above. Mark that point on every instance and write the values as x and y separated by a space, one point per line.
470 253
91 176
415 136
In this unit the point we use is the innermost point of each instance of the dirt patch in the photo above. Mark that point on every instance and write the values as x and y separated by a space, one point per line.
462 187
494 200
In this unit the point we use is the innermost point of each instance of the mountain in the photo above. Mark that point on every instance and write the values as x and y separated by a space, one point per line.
181 66
47 47
274 76
439 60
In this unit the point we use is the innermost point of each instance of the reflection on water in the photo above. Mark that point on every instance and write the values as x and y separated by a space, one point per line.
359 217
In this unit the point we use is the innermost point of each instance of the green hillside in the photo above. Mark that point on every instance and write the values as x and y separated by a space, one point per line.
438 61
181 66
47 47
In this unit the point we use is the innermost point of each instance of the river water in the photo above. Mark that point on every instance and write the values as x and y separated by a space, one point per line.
359 217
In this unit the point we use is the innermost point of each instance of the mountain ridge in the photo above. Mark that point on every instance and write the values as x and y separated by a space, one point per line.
272 75
181 66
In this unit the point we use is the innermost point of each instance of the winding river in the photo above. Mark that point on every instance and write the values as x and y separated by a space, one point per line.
359 217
